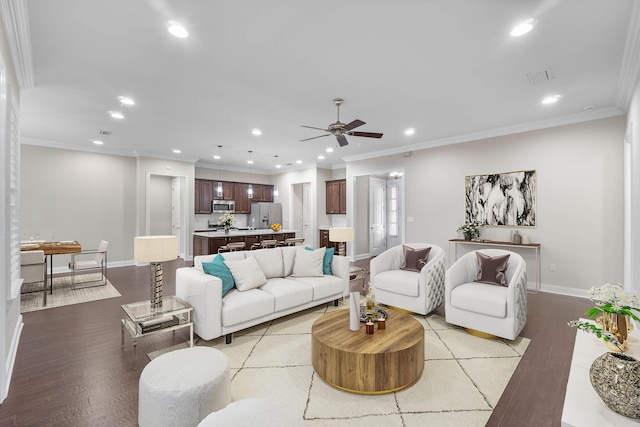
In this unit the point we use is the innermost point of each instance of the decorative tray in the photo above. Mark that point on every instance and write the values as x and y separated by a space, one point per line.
381 313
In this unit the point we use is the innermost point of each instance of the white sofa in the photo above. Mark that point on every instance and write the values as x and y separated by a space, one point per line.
283 294
420 292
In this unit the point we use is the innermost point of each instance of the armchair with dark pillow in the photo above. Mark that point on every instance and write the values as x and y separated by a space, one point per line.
409 276
486 291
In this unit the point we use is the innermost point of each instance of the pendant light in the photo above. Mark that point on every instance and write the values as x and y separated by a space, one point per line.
275 187
250 188
219 191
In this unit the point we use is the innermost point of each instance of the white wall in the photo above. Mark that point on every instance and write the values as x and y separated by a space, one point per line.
579 196
632 234
74 195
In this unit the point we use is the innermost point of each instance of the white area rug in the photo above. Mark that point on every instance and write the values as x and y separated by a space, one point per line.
64 294
463 379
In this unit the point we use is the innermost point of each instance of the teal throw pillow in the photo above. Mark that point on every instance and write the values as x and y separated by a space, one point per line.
218 268
326 261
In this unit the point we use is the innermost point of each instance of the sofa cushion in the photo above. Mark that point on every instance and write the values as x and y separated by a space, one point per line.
414 259
246 273
326 261
288 258
270 261
491 269
489 300
403 282
218 268
238 307
287 293
323 286
308 263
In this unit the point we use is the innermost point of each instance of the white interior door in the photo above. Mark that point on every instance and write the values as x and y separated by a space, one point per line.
176 211
307 216
377 221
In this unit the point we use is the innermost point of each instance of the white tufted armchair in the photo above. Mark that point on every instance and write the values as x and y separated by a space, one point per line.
496 310
420 292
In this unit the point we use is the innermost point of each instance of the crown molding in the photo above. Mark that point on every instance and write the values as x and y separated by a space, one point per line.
630 67
15 17
492 133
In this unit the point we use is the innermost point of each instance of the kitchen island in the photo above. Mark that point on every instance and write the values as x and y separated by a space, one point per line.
208 242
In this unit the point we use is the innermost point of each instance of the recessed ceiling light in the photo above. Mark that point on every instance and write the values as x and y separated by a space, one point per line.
321 157
329 150
116 114
522 28
125 100
98 142
551 99
298 161
409 131
256 132
177 30
278 166
177 151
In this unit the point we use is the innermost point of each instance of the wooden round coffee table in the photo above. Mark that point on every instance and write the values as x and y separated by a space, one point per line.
384 362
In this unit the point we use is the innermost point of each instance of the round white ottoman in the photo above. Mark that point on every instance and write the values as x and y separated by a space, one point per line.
182 387
253 412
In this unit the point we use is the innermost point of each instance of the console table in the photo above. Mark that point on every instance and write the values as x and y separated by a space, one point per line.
582 405
535 247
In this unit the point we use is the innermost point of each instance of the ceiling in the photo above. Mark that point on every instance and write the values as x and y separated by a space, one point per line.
448 69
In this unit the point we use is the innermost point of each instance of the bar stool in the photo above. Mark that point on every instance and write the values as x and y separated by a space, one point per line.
294 241
268 243
231 247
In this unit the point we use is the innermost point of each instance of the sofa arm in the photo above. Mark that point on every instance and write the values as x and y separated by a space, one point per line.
340 268
204 293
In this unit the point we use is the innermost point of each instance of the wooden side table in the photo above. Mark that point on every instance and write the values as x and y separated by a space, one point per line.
386 361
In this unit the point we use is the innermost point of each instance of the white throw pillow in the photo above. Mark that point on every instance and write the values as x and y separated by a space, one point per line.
308 263
246 273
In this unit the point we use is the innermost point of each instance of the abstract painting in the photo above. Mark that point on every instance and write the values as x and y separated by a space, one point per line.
501 199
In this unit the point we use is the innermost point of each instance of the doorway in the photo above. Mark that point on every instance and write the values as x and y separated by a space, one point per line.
302 207
166 208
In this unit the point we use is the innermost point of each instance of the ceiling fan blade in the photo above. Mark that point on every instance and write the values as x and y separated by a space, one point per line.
366 134
307 139
342 141
354 124
311 127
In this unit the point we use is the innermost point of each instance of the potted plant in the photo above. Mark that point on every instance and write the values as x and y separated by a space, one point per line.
227 220
470 230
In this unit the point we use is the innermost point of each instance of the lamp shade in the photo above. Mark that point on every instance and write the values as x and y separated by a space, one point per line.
155 248
341 234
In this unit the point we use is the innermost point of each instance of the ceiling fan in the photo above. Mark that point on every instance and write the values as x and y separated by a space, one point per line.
340 129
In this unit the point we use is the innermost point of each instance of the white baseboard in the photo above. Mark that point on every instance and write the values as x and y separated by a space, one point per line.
564 290
11 354
362 256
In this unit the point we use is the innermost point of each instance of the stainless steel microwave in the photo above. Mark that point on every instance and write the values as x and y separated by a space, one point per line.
223 206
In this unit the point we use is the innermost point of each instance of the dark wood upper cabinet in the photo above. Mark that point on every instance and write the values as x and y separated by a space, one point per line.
206 191
203 196
336 196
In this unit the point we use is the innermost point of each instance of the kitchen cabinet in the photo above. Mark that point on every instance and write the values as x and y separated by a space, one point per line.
227 190
203 196
200 245
336 202
243 202
324 241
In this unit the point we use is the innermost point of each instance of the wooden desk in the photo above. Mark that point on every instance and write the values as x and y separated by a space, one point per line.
492 243
384 362
50 249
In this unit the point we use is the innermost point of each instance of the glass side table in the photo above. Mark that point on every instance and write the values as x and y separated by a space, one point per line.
140 321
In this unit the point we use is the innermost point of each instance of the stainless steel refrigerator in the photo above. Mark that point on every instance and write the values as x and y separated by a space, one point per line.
264 214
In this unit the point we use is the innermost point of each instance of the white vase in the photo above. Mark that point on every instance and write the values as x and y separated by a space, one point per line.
354 311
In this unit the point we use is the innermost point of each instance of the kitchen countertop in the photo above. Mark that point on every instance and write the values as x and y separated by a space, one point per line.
232 232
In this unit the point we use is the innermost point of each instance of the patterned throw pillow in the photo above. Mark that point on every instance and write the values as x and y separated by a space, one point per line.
414 259
491 269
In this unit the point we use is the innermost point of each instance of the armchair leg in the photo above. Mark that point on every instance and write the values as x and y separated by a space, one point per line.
228 338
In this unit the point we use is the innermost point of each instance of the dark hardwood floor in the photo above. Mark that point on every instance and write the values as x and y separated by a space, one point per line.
70 370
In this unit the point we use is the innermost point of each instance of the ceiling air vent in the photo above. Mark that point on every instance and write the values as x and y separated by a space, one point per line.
104 132
539 77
